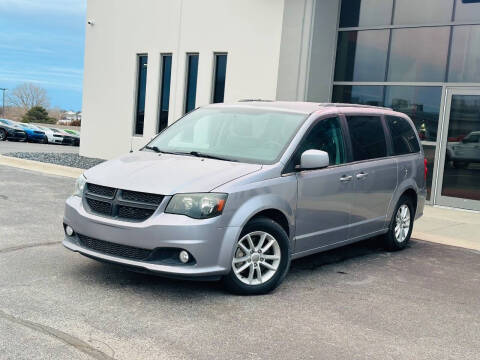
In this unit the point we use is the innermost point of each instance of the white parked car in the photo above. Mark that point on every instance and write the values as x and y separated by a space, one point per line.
466 151
52 136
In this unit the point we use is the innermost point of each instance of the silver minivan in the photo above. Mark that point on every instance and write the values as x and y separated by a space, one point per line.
235 192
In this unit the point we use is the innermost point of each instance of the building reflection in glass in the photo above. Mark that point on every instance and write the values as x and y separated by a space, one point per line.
461 174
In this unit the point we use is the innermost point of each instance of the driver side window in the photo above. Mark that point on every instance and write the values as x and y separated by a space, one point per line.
325 135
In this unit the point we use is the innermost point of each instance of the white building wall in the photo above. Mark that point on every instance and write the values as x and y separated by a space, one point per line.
249 30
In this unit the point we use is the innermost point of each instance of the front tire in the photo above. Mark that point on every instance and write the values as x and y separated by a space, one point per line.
261 258
401 225
3 135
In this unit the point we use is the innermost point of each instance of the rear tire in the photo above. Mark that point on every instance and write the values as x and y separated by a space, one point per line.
401 225
3 135
260 258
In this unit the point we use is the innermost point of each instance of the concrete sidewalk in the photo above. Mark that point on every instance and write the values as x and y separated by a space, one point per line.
449 226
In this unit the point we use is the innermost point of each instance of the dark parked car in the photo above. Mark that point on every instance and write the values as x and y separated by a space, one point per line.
11 132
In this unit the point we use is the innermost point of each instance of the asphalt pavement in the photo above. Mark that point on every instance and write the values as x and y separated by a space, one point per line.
357 302
16 146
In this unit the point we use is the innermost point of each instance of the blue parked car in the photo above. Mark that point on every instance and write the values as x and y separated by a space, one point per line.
33 134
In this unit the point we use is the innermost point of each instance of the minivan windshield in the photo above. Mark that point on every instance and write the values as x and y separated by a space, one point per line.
234 133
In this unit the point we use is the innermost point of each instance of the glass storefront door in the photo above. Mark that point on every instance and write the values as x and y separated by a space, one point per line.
458 182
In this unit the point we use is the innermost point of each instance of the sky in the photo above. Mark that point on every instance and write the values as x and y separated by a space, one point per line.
42 41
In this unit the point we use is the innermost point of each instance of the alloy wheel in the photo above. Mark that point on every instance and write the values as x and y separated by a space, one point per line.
256 258
402 223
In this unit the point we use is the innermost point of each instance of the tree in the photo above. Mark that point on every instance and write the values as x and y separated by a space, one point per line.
38 114
28 95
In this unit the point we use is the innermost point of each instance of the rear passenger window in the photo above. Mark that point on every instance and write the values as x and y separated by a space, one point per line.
367 137
403 136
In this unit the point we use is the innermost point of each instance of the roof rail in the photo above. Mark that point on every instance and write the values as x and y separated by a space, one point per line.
249 100
353 105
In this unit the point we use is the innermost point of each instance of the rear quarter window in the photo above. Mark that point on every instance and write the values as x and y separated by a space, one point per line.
404 138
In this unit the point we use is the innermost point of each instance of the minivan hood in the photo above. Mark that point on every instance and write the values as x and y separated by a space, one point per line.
167 174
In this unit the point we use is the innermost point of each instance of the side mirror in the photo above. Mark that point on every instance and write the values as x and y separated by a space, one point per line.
314 159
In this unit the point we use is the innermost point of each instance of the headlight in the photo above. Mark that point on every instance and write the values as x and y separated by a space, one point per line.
79 186
197 206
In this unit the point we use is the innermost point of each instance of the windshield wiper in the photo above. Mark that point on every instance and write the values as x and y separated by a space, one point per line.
158 150
154 148
208 156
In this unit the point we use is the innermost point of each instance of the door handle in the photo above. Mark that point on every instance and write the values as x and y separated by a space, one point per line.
361 175
345 178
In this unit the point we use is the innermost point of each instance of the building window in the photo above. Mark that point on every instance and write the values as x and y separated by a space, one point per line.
142 61
165 91
219 78
358 94
467 10
355 13
361 55
191 89
464 65
419 54
422 12
420 103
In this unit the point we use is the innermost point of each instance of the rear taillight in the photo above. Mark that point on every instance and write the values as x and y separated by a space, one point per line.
426 168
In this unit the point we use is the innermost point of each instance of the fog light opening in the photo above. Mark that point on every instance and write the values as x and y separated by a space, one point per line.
184 256
69 231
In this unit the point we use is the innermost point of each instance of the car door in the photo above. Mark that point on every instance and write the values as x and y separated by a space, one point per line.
324 195
374 174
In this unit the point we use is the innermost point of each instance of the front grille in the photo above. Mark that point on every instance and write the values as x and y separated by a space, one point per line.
120 204
39 132
101 190
100 207
59 136
105 247
129 212
142 197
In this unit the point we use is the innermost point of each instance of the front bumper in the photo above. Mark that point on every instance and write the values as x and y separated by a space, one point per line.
35 137
210 245
16 135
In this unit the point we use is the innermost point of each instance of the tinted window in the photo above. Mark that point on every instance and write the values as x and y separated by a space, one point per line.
423 11
141 89
326 135
420 103
358 94
192 74
367 137
419 54
165 92
365 13
361 55
219 80
467 10
403 136
465 54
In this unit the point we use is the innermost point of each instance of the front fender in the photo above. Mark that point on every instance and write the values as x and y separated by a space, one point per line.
279 194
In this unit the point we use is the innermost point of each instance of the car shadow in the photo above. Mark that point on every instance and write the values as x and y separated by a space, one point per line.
117 277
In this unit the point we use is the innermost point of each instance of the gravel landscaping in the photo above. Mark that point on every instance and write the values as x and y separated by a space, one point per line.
65 159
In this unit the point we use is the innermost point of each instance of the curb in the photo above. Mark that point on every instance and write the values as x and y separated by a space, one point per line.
462 243
46 168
